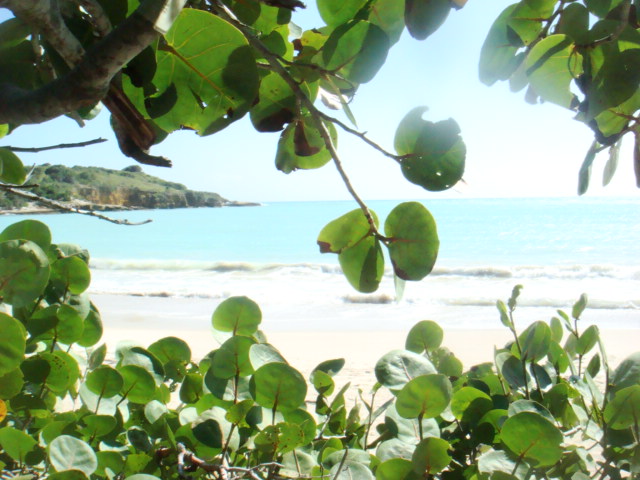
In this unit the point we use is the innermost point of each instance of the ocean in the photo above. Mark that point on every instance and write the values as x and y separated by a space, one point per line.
189 260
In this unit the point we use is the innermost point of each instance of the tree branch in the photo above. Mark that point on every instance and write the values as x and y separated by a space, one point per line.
88 82
53 147
62 207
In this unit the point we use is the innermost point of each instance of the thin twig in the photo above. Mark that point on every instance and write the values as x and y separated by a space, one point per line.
53 147
62 207
364 138
316 115
8 186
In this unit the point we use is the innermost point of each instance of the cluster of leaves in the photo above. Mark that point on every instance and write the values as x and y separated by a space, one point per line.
220 61
243 412
582 55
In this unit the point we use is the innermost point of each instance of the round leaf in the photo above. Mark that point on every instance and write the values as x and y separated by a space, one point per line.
363 264
423 17
398 367
430 456
71 274
351 471
470 404
104 381
533 437
232 358
32 230
16 443
345 232
13 345
424 336
138 386
279 386
394 469
426 396
414 243
24 271
535 341
239 315
70 453
624 409
11 169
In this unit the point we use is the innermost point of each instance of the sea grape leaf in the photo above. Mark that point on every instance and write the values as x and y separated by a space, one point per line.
356 50
436 152
498 58
345 231
413 245
424 17
351 471
71 274
534 341
584 175
288 154
70 453
263 353
138 386
398 367
602 7
24 271
526 19
470 404
425 396
16 443
587 340
612 164
232 358
389 16
104 381
574 22
533 437
92 331
623 411
363 264
337 12
394 469
13 345
552 64
424 336
276 104
98 425
431 456
11 169
279 387
210 64
191 388
627 373
239 315
171 349
32 230
263 18
616 81
11 384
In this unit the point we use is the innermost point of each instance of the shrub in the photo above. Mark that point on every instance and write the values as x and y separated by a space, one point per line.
535 410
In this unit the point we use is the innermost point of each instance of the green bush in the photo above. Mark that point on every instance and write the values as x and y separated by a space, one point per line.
535 410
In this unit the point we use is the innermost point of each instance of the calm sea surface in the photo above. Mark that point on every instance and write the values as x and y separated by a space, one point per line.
557 248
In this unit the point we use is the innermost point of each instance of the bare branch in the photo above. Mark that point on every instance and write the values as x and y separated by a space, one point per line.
63 207
53 147
88 82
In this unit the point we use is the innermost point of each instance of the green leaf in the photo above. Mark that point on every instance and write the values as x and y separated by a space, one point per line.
579 306
276 105
587 340
98 425
436 152
627 373
32 230
394 469
351 471
330 367
232 358
534 341
407 431
69 453
363 264
138 386
263 353
92 332
612 164
431 456
504 314
345 232
337 12
211 66
171 349
470 404
356 50
11 169
239 315
24 271
424 336
413 245
398 367
556 329
104 381
498 60
425 396
584 175
16 443
191 388
532 437
623 411
527 18
11 383
279 387
71 274
13 345
552 64
602 7
424 17
289 156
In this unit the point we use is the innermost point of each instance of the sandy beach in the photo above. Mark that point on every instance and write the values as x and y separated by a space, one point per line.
146 319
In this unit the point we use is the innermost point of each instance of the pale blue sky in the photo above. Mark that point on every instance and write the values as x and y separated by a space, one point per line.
513 148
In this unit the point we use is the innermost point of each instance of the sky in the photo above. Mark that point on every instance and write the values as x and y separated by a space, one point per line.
514 149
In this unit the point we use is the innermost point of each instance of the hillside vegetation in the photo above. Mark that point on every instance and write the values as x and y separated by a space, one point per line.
105 189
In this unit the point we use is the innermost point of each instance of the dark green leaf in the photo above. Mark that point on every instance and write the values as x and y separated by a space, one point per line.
363 264
398 367
239 315
24 271
424 17
431 456
13 345
623 411
138 386
104 381
533 437
279 387
337 12
288 156
232 358
425 396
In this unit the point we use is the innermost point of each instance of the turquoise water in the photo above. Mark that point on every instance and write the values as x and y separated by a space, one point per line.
557 248
497 232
